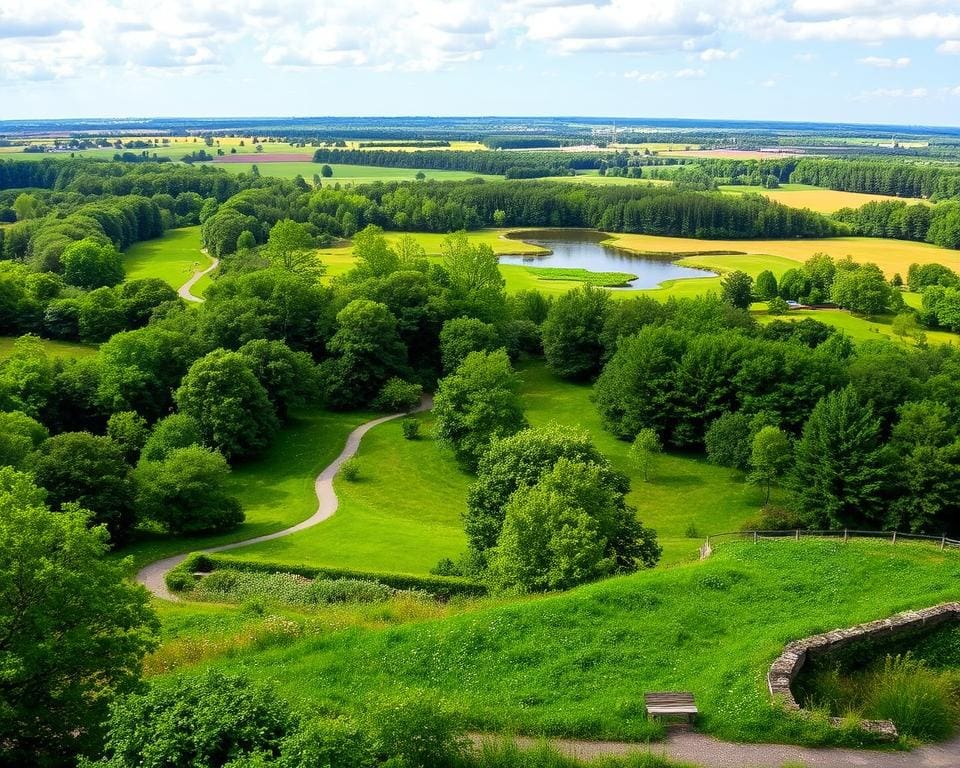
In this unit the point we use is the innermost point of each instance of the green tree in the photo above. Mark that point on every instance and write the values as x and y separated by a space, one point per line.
499 217
90 471
205 720
129 431
737 289
565 530
572 332
91 264
865 290
185 492
476 285
73 629
232 408
770 459
27 206
326 171
373 252
840 470
20 435
477 403
174 431
366 351
290 378
729 440
463 335
291 247
246 241
777 306
645 450
766 286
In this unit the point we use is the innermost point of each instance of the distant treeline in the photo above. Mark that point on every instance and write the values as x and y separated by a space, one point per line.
449 206
938 224
525 141
402 144
97 177
512 164
934 182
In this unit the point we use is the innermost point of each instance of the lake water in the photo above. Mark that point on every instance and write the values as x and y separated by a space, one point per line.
582 249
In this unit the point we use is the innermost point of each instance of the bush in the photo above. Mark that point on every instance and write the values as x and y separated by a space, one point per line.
327 744
350 470
417 732
777 306
399 396
411 428
774 518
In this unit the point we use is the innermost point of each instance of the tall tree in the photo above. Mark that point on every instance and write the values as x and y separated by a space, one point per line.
840 474
737 289
572 332
291 247
477 403
770 459
73 629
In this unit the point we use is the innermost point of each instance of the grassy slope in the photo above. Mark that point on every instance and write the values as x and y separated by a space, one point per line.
404 514
276 490
577 663
53 348
173 258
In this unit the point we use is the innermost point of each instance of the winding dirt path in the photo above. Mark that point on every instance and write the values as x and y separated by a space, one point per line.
708 752
153 576
184 291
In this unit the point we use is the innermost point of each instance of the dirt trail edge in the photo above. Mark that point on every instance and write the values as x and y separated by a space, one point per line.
153 576
184 291
703 750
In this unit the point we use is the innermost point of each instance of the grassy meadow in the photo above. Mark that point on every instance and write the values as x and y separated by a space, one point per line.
346 174
377 529
173 258
577 663
53 347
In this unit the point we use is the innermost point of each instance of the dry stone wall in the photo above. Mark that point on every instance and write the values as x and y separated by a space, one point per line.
788 664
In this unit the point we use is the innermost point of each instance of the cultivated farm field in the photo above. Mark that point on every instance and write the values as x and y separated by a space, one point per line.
814 198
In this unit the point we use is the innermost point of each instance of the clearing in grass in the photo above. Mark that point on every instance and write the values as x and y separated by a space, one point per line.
173 258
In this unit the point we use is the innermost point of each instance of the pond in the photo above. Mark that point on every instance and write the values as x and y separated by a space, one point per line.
582 249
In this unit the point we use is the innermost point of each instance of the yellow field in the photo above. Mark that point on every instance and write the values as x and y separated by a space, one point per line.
814 198
463 146
891 256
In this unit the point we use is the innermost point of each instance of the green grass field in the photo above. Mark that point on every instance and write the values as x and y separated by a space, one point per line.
861 328
276 490
577 663
61 349
378 529
172 258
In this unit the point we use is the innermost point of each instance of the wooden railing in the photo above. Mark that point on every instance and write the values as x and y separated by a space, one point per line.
942 542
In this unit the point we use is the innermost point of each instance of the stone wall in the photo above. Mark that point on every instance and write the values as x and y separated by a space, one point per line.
788 664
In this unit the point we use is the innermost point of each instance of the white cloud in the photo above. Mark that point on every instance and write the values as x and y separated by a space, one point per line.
882 62
718 54
689 73
950 47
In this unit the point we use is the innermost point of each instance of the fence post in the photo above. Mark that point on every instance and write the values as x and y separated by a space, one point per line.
844 535
754 537
894 537
797 534
943 542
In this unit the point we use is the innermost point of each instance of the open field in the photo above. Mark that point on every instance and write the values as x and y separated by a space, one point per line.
861 328
172 258
815 198
347 174
737 154
377 529
62 349
891 256
575 663
276 490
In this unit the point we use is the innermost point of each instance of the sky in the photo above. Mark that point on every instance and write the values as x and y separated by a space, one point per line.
887 61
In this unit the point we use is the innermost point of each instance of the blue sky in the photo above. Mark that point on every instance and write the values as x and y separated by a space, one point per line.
896 61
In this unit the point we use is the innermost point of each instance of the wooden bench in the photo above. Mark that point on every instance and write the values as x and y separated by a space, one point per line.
671 705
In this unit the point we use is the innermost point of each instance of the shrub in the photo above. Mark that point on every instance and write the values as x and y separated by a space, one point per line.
331 743
775 518
398 395
417 732
411 428
350 470
777 306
